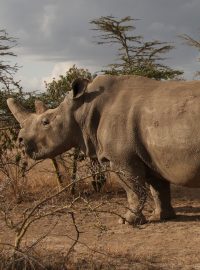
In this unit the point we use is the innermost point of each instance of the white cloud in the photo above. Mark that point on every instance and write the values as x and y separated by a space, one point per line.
58 69
29 84
33 74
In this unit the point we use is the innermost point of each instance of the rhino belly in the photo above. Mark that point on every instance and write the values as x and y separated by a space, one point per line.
179 166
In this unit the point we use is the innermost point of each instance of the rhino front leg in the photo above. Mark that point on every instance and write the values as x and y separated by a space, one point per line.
160 190
134 185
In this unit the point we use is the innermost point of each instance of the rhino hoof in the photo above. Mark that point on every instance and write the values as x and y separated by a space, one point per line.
132 219
121 220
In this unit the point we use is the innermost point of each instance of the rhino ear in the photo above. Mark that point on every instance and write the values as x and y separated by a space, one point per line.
40 107
78 87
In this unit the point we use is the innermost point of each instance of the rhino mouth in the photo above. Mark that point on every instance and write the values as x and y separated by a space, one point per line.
34 153
39 155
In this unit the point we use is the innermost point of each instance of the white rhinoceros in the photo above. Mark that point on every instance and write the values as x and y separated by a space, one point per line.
148 130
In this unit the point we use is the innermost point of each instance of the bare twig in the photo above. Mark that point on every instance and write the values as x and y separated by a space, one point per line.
76 239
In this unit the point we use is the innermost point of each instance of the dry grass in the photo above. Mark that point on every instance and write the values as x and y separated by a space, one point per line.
103 243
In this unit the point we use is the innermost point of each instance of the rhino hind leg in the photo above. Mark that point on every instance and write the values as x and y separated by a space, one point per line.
160 190
134 185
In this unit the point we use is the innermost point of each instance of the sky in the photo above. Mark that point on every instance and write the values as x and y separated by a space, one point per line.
52 35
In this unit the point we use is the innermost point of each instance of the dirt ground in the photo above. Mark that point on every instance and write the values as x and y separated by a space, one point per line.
105 244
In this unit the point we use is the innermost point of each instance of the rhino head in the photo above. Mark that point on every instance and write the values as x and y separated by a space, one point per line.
49 132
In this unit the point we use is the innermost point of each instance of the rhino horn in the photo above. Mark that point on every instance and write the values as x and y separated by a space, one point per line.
40 107
17 110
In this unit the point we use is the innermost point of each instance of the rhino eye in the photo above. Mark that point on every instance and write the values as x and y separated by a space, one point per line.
45 122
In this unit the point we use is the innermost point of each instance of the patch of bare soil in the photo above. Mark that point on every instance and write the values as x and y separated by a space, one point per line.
105 244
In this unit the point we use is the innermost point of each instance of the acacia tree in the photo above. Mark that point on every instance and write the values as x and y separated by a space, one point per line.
8 85
135 56
7 70
13 165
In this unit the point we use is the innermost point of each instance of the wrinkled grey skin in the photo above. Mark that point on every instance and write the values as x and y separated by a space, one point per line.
148 129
